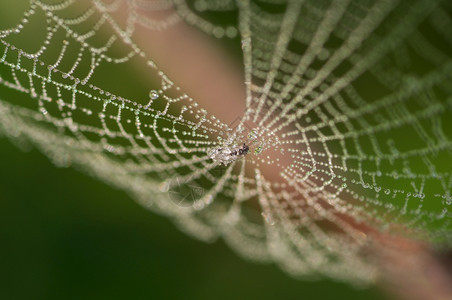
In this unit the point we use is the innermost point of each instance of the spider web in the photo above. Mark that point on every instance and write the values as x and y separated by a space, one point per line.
350 100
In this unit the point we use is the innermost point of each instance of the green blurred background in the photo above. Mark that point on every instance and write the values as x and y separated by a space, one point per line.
65 235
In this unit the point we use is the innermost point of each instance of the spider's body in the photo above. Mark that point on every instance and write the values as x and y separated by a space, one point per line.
241 151
226 156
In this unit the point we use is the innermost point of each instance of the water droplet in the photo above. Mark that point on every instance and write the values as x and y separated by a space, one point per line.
323 54
268 218
246 42
231 32
153 94
258 150
252 134
209 199
198 205
164 186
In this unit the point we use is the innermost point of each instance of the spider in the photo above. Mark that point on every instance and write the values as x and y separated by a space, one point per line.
226 156
242 150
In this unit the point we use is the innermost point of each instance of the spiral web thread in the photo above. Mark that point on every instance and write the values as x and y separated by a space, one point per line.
356 95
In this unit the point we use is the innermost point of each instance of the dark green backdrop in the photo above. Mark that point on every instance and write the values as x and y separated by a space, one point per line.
65 235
